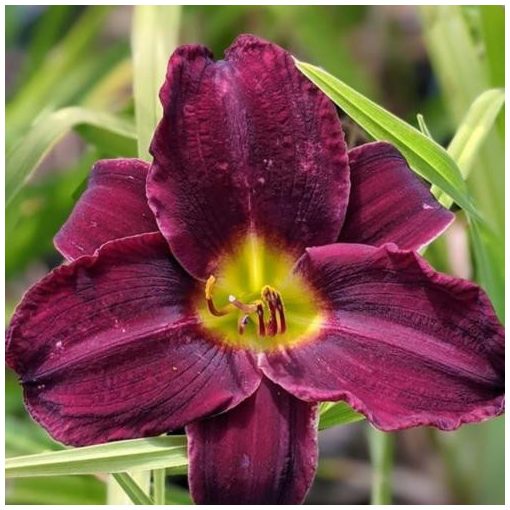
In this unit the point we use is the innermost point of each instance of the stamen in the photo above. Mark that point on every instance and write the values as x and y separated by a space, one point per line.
208 297
241 324
270 298
260 315
243 307
272 325
275 304
281 313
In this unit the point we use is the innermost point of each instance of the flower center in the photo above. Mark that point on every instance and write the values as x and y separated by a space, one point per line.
255 300
271 301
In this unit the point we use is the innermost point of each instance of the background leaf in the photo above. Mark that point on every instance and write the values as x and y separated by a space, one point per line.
337 413
472 133
29 151
138 454
424 155
154 37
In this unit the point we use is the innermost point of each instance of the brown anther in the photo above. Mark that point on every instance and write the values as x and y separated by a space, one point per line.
260 315
272 325
241 324
281 314
275 305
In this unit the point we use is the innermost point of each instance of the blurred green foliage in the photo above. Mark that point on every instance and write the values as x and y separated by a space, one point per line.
435 61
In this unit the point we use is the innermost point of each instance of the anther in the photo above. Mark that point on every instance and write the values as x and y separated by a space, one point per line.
275 304
241 324
260 315
281 314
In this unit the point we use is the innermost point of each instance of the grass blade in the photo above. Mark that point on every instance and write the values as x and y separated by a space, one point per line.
381 453
24 158
337 413
472 133
38 92
159 477
154 37
138 454
493 28
426 157
132 489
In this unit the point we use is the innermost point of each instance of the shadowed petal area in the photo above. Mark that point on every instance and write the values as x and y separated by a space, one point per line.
403 344
388 202
105 348
263 451
113 206
245 144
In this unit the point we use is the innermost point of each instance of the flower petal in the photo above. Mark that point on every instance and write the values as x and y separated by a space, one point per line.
388 202
113 206
403 344
245 144
264 451
106 348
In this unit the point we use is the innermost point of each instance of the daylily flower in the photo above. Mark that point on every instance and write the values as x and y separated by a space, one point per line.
255 268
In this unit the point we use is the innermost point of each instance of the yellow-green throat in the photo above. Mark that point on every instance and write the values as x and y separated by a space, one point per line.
255 301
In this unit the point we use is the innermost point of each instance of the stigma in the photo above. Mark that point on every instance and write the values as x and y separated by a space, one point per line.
268 312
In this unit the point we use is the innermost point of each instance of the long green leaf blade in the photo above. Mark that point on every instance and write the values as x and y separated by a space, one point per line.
472 133
337 413
37 94
153 38
426 157
139 454
132 489
26 155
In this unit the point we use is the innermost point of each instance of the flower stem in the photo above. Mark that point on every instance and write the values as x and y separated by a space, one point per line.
381 452
159 486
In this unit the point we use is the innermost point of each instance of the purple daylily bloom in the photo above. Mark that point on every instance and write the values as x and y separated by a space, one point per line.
133 337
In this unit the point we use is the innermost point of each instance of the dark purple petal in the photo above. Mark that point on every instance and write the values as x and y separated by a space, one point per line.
388 202
403 344
246 143
113 206
106 348
264 451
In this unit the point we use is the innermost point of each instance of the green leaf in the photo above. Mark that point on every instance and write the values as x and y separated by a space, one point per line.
472 132
337 413
38 211
132 489
426 157
159 478
490 264
35 96
493 29
382 446
154 36
138 454
59 490
26 155
423 125
455 56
